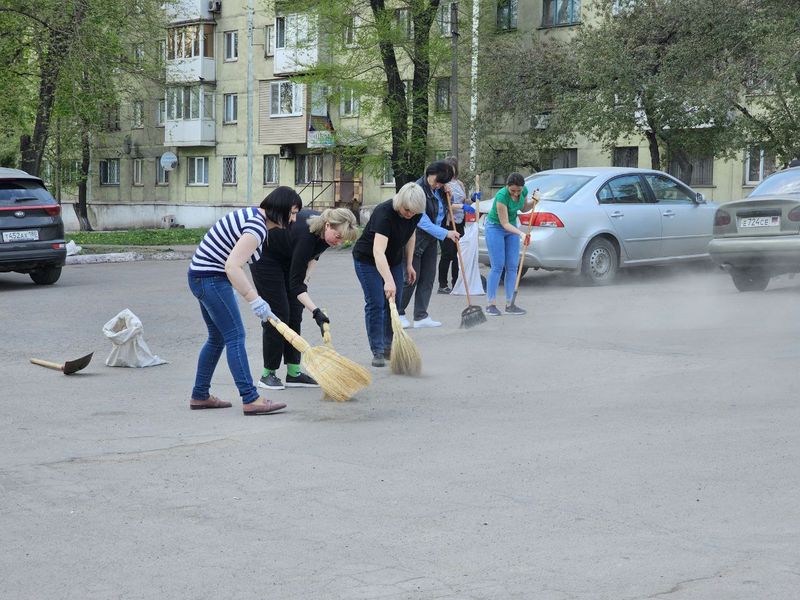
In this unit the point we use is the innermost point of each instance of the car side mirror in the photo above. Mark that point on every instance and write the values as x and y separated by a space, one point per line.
699 198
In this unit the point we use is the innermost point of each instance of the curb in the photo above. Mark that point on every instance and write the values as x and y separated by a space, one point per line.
117 257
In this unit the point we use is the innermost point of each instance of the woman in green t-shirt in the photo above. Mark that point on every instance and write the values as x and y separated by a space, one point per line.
502 240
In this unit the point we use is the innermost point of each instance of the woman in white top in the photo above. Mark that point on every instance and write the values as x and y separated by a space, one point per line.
217 269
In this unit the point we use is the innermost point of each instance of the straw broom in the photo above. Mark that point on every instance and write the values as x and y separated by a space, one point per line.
339 377
405 358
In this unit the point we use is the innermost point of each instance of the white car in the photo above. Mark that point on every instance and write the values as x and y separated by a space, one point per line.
596 220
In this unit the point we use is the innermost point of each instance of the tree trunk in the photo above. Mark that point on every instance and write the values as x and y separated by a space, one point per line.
81 208
655 154
423 15
685 164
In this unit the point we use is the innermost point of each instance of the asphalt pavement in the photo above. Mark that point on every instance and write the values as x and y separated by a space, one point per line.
625 442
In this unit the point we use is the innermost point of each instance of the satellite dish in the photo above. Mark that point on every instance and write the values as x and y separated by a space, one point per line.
169 161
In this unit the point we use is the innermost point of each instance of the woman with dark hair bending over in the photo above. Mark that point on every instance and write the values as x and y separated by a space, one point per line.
502 240
381 256
217 269
281 276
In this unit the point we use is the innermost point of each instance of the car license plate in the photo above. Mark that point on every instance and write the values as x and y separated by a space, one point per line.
760 221
20 236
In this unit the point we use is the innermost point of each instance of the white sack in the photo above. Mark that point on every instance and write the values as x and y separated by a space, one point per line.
469 252
129 348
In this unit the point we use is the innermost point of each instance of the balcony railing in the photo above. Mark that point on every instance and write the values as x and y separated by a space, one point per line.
190 132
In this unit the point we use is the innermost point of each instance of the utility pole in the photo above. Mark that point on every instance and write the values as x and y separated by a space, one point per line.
250 86
473 106
454 79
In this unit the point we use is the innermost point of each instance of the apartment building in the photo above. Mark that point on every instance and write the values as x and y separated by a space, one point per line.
182 150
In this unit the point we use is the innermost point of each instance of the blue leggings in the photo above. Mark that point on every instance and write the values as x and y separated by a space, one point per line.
503 248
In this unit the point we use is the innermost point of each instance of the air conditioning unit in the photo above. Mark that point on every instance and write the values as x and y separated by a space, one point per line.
286 151
214 6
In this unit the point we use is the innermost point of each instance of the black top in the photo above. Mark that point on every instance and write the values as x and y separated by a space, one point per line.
386 221
293 248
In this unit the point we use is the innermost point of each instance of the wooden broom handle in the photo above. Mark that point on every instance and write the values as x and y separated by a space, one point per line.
458 247
326 330
290 335
48 364
525 246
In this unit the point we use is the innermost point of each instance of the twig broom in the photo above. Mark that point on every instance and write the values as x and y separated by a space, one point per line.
339 377
405 358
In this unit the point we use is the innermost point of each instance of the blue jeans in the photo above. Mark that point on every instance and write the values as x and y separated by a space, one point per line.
225 330
376 306
503 248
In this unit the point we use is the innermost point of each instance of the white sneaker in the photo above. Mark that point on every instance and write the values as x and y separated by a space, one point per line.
426 322
404 322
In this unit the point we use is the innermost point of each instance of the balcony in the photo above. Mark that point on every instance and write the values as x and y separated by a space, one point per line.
191 70
192 132
179 11
190 53
296 45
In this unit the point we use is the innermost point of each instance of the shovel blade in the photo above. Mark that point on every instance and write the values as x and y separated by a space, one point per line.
73 366
472 316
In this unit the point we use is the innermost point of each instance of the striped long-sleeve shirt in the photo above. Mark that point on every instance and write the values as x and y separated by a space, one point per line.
217 244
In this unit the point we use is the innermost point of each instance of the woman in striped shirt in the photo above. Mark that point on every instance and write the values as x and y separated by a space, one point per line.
217 269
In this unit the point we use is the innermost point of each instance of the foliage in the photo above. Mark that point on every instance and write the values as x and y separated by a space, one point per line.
139 237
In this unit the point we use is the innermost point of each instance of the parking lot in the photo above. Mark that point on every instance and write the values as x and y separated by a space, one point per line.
633 441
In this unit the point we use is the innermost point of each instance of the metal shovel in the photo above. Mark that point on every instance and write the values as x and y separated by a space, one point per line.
69 367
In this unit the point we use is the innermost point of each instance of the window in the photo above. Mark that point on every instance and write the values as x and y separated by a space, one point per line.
507 11
231 45
138 55
350 31
443 94
405 26
137 121
231 102
269 40
183 103
136 172
623 190
388 171
208 105
228 170
702 170
668 191
270 169
112 119
162 175
626 156
561 12
208 40
565 159
161 112
109 171
280 32
758 165
286 99
162 52
349 104
308 168
197 171
184 41
443 18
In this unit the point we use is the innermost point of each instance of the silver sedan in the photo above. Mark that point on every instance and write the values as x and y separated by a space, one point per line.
596 220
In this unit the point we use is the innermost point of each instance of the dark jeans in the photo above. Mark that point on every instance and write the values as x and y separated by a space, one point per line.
376 306
225 331
424 264
448 261
272 283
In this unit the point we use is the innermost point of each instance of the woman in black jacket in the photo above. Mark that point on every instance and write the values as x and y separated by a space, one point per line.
280 276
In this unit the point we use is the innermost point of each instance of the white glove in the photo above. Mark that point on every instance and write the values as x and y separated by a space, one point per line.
261 309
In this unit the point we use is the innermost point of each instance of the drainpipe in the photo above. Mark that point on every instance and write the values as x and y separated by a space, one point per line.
250 86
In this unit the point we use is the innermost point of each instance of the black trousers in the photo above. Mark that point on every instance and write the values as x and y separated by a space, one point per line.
448 261
424 263
272 283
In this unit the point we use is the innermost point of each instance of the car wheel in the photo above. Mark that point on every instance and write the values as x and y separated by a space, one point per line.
46 275
750 280
600 262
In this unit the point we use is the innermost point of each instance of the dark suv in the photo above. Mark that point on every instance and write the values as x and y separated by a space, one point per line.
31 229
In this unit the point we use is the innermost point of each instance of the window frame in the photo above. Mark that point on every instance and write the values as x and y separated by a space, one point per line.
229 175
551 17
298 98
269 40
441 88
762 172
305 160
403 21
161 181
348 94
625 153
387 169
137 114
509 21
137 171
275 160
191 169
701 165
233 100
571 156
349 32
104 171
231 45
161 112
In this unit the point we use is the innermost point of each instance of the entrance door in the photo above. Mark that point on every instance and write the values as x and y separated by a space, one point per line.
347 187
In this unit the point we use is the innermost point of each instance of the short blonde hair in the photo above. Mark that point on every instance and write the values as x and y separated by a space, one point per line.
411 197
341 219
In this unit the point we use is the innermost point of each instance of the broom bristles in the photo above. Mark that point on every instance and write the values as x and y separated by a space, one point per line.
339 377
405 358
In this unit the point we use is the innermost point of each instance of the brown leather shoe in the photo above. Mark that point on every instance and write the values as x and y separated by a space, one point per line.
262 406
210 402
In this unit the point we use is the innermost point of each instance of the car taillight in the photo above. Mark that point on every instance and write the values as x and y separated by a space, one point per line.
721 218
59 246
52 209
794 214
546 219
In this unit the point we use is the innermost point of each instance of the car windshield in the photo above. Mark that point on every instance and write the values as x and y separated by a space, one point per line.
22 192
779 184
556 187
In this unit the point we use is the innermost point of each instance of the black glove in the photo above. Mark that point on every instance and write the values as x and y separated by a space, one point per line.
320 318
